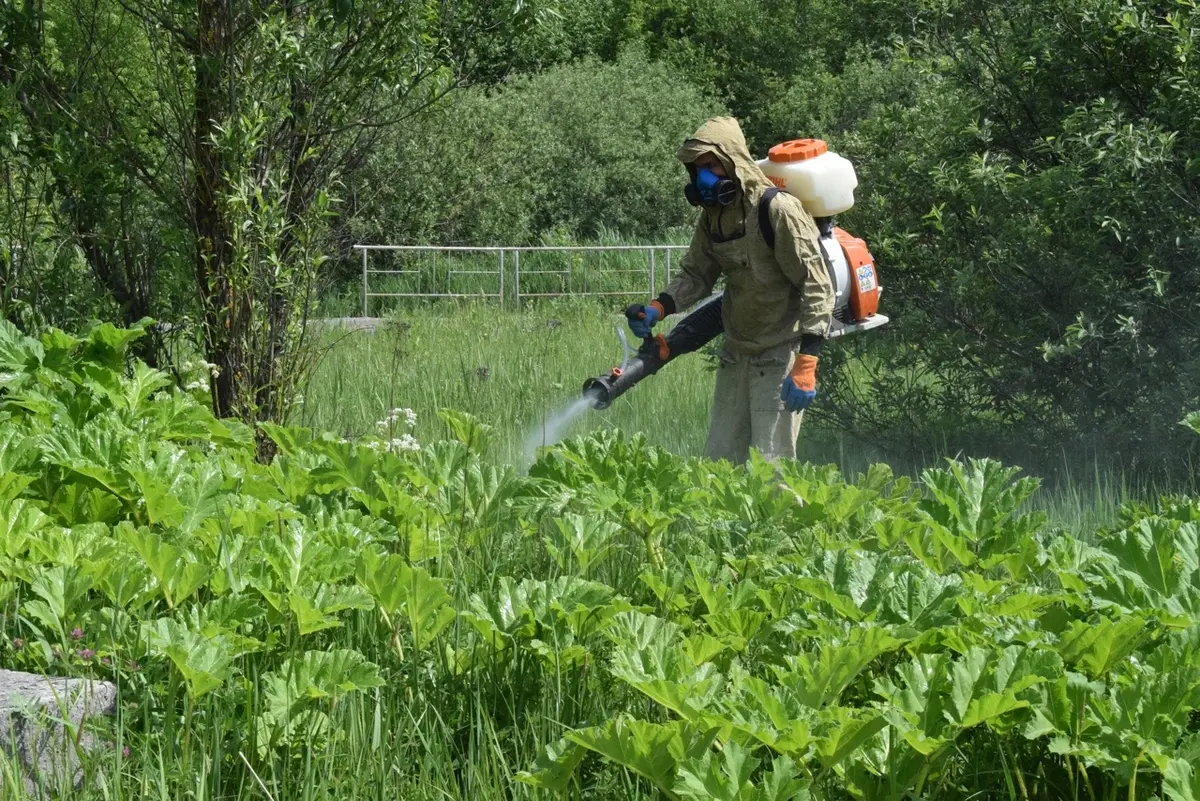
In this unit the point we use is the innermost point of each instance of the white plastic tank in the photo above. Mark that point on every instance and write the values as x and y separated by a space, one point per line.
805 168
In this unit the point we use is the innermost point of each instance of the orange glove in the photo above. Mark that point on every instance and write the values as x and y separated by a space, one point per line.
800 387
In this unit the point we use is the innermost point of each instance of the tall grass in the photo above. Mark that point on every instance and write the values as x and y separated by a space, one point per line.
511 369
514 369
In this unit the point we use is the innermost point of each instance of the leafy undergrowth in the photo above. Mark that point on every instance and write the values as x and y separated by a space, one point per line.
356 621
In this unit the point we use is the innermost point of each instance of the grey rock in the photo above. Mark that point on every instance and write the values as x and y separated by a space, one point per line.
44 726
368 324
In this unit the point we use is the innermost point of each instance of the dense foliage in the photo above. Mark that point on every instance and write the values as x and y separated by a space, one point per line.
377 617
1036 209
191 154
574 152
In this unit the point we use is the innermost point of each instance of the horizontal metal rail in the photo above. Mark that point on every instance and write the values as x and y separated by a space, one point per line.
432 295
638 292
443 279
515 249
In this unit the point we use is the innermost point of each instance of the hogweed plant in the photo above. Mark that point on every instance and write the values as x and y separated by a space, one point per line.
360 620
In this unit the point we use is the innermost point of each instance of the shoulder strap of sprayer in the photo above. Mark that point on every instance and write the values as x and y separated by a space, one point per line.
768 231
764 217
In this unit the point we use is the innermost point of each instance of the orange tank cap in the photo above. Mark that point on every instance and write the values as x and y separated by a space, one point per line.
796 150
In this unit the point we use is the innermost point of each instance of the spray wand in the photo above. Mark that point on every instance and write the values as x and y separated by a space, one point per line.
691 333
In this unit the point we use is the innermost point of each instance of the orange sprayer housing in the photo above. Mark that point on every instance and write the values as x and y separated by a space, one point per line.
864 280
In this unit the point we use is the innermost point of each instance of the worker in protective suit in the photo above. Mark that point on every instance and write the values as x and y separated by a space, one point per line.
778 303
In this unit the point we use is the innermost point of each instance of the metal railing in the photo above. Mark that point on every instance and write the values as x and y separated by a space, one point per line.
432 283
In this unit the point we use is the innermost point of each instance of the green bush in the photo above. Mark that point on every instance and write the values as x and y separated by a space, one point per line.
587 148
1031 196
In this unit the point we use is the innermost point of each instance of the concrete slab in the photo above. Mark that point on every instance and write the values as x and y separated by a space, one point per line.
43 726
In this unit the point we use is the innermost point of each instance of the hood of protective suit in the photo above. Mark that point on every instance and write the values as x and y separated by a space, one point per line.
722 136
772 296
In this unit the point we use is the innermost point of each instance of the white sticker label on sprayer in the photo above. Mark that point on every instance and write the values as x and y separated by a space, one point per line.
866 278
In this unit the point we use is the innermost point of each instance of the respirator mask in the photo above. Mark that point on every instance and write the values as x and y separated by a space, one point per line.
709 189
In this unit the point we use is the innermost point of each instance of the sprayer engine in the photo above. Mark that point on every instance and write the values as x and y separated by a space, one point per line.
855 281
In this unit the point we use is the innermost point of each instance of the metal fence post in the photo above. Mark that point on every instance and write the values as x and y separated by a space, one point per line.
652 282
364 289
517 276
668 266
500 291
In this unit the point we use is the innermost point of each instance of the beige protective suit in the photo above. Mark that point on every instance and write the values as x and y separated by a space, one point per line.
772 298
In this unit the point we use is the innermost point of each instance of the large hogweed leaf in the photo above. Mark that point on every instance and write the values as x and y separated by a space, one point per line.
1152 564
1143 717
478 496
1098 646
888 768
131 395
107 345
576 542
298 554
70 547
406 593
649 658
975 509
819 675
727 776
973 500
61 594
986 686
98 454
330 674
1181 778
1061 713
756 710
122 575
506 615
652 750
417 521
938 698
205 663
467 429
21 522
841 731
555 767
17 455
299 694
556 620
831 507
179 572
316 607
178 492
17 351
345 465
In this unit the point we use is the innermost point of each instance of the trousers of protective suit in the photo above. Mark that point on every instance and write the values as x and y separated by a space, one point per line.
747 411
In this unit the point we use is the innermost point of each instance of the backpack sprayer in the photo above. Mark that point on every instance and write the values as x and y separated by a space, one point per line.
824 182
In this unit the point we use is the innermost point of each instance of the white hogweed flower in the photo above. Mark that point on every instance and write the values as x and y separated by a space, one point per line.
404 443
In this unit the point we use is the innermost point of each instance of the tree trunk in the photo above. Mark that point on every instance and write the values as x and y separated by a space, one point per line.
213 237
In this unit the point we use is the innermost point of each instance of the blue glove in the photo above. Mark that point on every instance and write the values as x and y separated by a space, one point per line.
643 317
800 386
